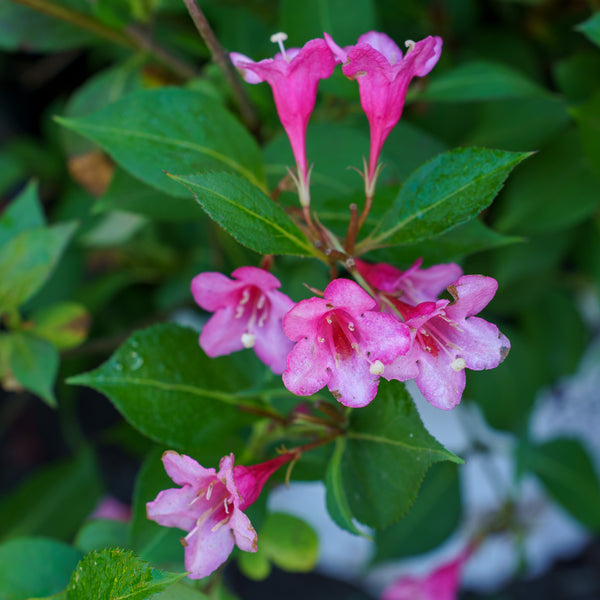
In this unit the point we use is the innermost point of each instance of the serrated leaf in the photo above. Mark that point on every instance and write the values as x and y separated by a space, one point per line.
388 451
477 81
247 213
27 261
165 386
34 364
173 130
24 212
567 472
32 567
445 192
119 575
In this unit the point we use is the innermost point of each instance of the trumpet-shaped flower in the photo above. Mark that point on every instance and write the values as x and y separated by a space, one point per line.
209 505
293 75
447 339
248 311
341 342
383 74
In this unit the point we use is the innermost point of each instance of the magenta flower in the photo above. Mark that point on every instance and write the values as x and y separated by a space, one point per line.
383 75
293 75
209 506
447 339
441 584
414 285
248 311
341 342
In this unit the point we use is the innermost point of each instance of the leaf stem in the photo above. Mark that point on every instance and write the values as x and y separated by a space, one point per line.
222 60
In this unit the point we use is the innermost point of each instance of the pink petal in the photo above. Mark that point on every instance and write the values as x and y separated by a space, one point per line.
272 346
347 294
308 367
352 383
184 470
383 44
471 293
243 532
383 337
404 367
222 333
423 57
241 62
381 276
171 508
207 550
212 291
423 285
340 54
441 385
301 320
256 276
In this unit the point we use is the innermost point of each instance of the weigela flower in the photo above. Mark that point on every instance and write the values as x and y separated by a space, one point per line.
441 584
209 506
383 75
248 311
447 339
341 342
293 75
413 285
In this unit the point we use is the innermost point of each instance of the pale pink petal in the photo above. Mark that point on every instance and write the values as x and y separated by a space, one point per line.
171 508
423 57
207 550
301 320
471 293
241 63
404 367
423 285
340 53
222 333
212 291
309 366
347 294
440 383
382 43
257 276
352 383
243 532
272 346
184 470
383 337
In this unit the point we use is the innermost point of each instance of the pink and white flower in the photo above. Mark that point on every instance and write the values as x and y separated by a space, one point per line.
341 342
209 506
293 75
447 339
248 311
383 74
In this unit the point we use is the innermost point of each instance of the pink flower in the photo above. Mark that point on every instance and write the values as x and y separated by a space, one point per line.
447 339
383 75
111 508
248 311
209 506
341 342
413 285
293 75
442 584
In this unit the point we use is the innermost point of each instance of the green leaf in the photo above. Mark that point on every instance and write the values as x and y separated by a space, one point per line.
591 28
180 591
34 364
309 19
165 386
172 130
24 212
65 325
445 192
388 452
54 501
568 474
432 519
247 213
119 575
27 261
254 565
587 116
101 533
555 189
289 542
126 193
32 567
477 81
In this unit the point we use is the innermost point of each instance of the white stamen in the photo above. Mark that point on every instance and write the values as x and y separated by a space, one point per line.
278 38
226 505
219 524
239 311
458 364
248 340
261 301
376 368
245 296
329 321
322 340
209 490
262 319
410 45
351 326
